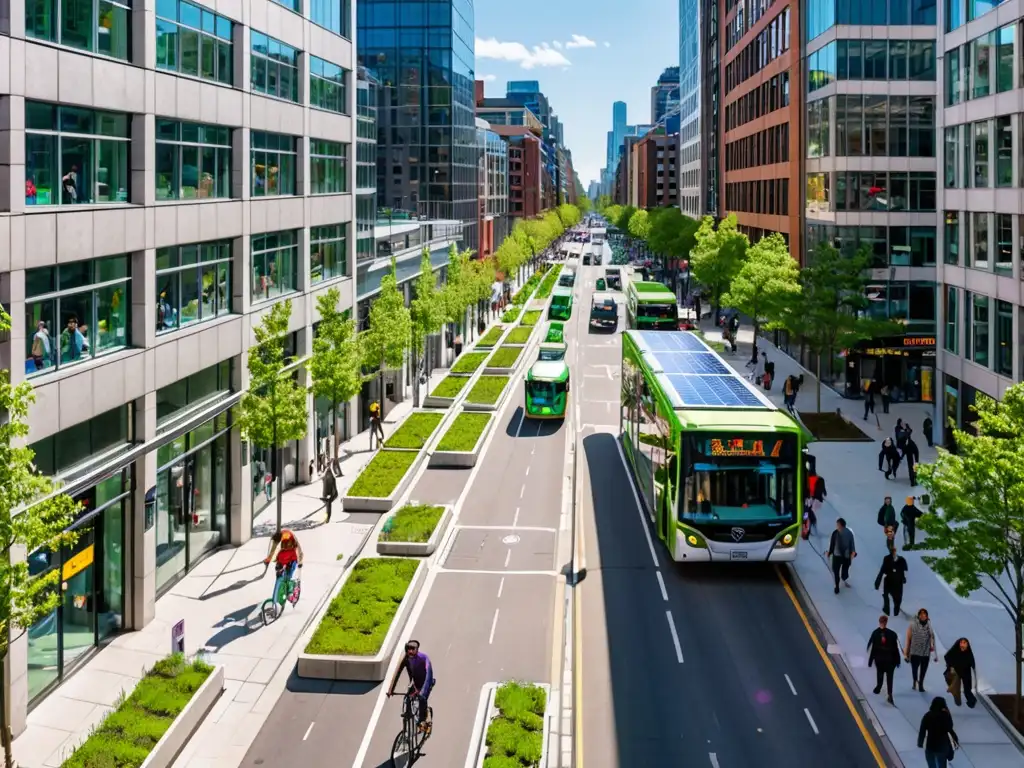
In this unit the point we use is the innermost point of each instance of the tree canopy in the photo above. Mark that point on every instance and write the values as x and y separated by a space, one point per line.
385 342
718 255
639 225
334 367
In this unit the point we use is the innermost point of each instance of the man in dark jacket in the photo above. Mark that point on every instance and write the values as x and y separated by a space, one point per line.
330 490
887 515
842 548
890 455
908 516
884 654
891 578
913 456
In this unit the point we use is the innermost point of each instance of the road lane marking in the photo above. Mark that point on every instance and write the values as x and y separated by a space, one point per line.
501 586
481 572
714 759
661 583
527 471
577 668
814 726
522 490
791 686
872 747
515 518
675 636
522 416
636 498
308 730
508 556
494 625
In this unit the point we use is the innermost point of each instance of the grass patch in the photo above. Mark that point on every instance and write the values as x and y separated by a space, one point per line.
464 432
529 286
511 315
548 283
469 362
505 357
718 346
515 737
531 318
449 386
127 735
833 427
519 335
383 474
487 390
415 431
490 338
360 615
413 522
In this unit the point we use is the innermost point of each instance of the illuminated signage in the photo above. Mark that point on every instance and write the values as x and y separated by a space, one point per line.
918 341
741 447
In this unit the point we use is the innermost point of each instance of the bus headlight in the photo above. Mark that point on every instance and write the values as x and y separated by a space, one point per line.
691 540
787 538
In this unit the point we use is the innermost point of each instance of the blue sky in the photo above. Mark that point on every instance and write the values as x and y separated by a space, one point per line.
586 54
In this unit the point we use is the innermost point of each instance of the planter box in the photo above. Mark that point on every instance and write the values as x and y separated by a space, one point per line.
438 402
363 668
402 424
487 407
418 548
384 503
491 711
502 371
185 724
463 459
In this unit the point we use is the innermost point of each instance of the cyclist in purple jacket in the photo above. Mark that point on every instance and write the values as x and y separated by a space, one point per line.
421 676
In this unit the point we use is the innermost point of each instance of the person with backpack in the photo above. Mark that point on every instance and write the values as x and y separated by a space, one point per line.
887 515
908 516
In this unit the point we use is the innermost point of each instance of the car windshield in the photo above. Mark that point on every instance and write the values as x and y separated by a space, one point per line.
551 354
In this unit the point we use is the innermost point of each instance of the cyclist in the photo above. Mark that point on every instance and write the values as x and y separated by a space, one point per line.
421 675
289 556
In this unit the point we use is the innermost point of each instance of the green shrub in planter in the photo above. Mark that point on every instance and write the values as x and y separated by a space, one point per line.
515 737
519 335
383 474
414 431
530 318
464 432
450 386
504 357
490 338
487 390
511 315
548 283
413 522
468 362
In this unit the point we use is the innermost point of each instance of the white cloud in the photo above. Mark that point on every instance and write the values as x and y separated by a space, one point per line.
557 45
581 41
542 55
488 78
607 44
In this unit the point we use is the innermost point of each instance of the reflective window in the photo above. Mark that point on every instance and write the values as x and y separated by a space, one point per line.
193 284
97 26
274 162
951 238
73 446
980 320
982 54
328 167
951 144
978 247
274 67
194 41
976 8
1003 231
193 390
951 342
956 14
1004 338
981 150
335 15
274 257
1004 58
328 252
955 82
1004 151
328 86
193 161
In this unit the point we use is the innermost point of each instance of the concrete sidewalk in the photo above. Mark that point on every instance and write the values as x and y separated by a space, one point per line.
856 489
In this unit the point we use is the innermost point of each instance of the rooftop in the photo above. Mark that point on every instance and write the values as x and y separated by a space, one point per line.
548 370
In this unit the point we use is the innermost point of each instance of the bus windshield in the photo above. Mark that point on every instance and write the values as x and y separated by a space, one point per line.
551 354
543 392
740 479
657 312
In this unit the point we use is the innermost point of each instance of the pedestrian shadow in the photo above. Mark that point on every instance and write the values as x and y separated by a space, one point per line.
206 595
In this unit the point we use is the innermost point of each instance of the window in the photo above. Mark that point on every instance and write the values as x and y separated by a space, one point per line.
75 156
949 165
1004 338
976 8
951 343
193 284
954 78
979 329
194 41
818 128
922 60
1004 152
328 252
290 4
922 126
97 26
275 67
875 60
274 259
328 167
980 131
922 192
83 441
328 87
979 240
201 387
274 159
75 312
1004 243
898 59
193 161
982 49
955 15
1004 58
334 15
875 108
952 238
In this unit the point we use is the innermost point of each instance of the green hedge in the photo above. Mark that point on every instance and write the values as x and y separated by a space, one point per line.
450 386
511 315
412 523
383 474
415 431
515 737
490 338
519 335
548 283
531 318
468 362
487 390
127 735
529 286
505 357
464 432
360 615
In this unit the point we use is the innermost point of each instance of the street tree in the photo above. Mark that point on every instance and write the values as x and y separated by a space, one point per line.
385 342
976 527
639 225
717 256
335 366
455 295
274 410
766 284
569 215
427 316
34 515
625 214
603 203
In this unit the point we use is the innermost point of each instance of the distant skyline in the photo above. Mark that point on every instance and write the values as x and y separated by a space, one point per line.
585 55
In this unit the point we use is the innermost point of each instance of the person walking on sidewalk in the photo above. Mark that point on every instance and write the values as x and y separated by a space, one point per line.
960 669
869 400
936 735
920 644
330 491
891 456
376 430
886 398
927 427
884 655
887 515
913 456
908 516
842 548
891 578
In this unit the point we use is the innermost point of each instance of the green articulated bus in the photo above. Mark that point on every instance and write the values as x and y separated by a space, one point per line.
650 306
547 385
561 303
718 467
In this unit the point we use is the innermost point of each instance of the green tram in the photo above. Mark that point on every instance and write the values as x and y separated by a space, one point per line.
651 306
718 467
547 384
561 303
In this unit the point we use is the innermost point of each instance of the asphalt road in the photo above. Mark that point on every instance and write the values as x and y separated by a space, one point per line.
702 666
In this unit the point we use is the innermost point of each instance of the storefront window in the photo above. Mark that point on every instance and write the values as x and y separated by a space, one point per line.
1004 338
275 67
193 41
328 86
952 238
274 161
193 161
275 258
979 329
328 252
201 387
75 312
193 284
952 340
97 26
328 167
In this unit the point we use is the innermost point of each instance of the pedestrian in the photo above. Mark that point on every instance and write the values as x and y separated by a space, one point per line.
842 548
891 578
789 393
818 494
960 671
886 398
887 515
936 735
458 344
902 434
908 516
884 654
920 644
376 430
927 427
41 346
869 400
329 492
890 456
913 456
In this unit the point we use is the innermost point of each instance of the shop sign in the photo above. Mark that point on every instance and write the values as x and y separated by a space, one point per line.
918 341
78 563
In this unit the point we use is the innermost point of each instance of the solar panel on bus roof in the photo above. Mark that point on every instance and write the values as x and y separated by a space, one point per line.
691 362
715 391
662 341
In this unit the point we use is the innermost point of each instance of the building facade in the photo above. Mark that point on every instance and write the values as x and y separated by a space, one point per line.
493 187
170 172
525 171
665 95
658 174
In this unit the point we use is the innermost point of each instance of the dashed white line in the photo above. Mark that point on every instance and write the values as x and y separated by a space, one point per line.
515 518
639 506
675 637
501 586
308 730
508 556
714 759
522 490
661 584
810 720
791 686
494 625
527 471
522 417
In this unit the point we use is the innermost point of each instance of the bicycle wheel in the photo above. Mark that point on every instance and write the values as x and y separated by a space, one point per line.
400 749
268 612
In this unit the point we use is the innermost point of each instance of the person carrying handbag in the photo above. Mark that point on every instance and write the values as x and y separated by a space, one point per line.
960 672
936 735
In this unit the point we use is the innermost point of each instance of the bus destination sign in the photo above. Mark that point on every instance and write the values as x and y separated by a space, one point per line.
741 447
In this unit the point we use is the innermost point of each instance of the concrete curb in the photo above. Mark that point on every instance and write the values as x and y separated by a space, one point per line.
361 668
185 724
384 503
462 459
418 548
1004 723
504 371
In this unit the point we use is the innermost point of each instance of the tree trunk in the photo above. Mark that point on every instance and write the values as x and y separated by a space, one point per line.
337 435
380 393
415 378
276 459
753 351
6 738
1017 657
817 358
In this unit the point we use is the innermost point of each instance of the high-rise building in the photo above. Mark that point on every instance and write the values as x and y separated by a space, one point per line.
691 26
870 183
665 94
493 186
706 156
367 96
618 132
427 149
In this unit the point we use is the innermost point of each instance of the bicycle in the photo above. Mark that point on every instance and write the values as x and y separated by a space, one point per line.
409 741
286 589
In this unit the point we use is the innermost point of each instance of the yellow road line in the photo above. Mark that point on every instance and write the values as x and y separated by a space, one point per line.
577 682
832 671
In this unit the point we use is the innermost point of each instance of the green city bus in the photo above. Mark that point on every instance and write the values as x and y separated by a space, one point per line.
650 306
556 332
547 386
718 467
561 303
